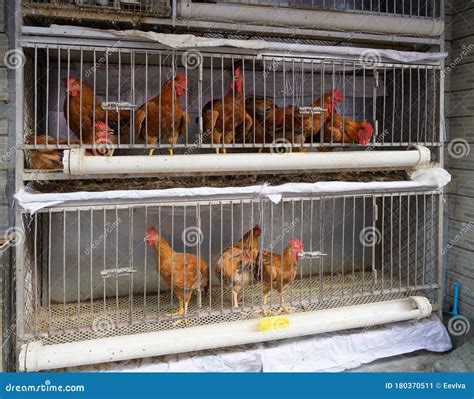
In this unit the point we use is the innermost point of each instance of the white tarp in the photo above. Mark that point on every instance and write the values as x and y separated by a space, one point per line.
431 178
336 351
188 41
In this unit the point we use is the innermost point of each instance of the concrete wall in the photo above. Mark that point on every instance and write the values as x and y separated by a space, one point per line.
460 124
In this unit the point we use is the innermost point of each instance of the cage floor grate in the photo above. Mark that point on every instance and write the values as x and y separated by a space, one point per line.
70 322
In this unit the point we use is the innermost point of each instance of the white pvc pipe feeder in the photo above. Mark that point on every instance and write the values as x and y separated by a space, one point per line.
35 356
316 19
76 162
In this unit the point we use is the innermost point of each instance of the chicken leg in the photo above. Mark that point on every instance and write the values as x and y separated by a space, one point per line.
170 151
218 149
235 300
182 310
152 151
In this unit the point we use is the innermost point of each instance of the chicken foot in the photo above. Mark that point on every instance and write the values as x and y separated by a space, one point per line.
264 312
285 309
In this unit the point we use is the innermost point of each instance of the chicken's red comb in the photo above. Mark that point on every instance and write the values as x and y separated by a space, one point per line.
180 76
238 71
257 229
294 242
100 125
151 230
368 129
336 94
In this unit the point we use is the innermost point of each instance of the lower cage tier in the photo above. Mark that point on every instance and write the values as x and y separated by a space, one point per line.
102 271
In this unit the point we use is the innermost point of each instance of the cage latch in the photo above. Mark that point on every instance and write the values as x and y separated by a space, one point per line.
311 110
124 271
117 106
313 254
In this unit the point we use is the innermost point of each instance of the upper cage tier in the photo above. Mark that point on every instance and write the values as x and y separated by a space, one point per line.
121 101
413 21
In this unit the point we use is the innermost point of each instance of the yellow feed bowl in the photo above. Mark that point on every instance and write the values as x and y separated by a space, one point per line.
273 323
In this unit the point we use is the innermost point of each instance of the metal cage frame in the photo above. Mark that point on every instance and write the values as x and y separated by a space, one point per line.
175 17
24 36
379 255
431 7
374 92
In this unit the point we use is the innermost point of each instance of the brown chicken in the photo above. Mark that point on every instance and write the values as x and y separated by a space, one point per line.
339 129
46 158
275 124
224 118
184 273
237 262
51 158
260 110
82 110
277 272
163 117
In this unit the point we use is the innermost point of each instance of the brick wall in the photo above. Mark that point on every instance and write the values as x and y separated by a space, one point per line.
460 123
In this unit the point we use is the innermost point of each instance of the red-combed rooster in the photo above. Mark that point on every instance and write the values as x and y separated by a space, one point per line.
237 262
163 117
339 129
82 110
184 273
225 117
277 272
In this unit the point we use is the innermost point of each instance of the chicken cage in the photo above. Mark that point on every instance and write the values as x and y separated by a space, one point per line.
88 271
319 97
418 8
163 8
159 8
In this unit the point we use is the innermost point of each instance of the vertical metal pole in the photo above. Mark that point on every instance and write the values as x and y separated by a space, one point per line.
19 163
442 138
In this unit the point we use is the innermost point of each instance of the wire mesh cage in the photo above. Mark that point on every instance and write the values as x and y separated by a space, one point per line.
418 8
185 102
119 268
160 8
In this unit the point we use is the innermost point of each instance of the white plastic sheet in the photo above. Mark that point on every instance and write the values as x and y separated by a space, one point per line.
325 352
188 41
431 178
